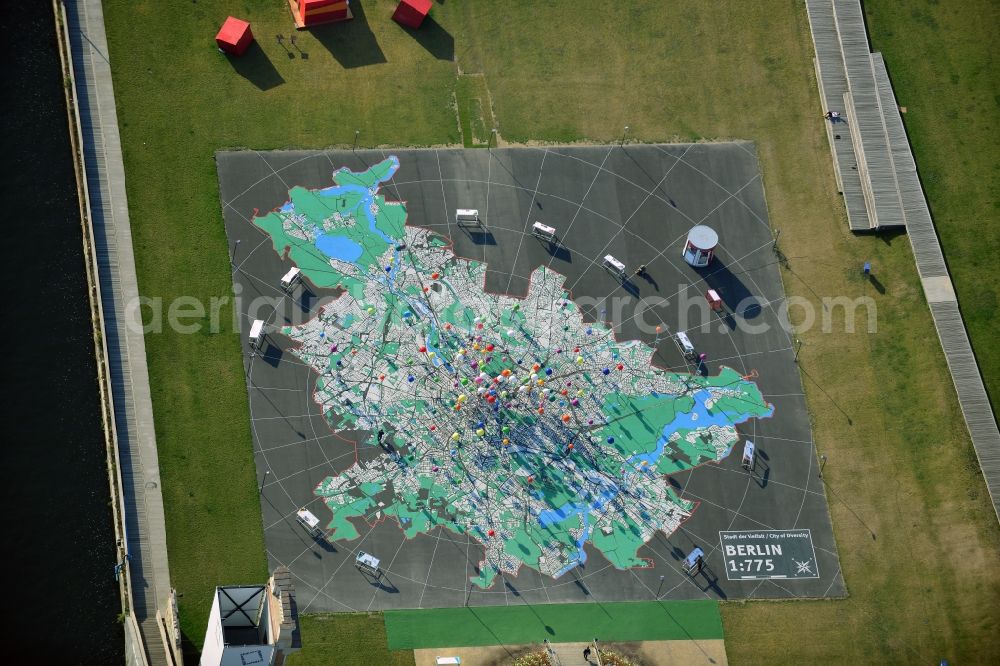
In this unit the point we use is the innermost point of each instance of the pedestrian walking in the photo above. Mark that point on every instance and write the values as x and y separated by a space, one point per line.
586 654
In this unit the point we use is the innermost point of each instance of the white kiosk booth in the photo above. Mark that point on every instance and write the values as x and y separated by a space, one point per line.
700 246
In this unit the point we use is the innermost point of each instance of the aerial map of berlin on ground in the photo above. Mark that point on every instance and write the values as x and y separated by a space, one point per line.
511 420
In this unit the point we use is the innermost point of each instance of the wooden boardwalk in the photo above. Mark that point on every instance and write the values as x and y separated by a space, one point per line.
892 178
131 405
832 86
864 113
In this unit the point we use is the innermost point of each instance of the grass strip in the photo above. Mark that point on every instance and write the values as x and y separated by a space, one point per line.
559 623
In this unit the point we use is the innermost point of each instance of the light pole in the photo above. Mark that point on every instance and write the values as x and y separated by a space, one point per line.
660 588
356 134
798 347
624 133
822 464
492 140
263 481
236 246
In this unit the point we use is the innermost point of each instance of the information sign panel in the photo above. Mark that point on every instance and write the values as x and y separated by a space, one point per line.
764 554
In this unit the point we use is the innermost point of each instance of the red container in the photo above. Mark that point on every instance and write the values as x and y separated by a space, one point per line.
235 36
411 13
309 13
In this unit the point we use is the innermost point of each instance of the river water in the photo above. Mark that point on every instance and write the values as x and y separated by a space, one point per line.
58 541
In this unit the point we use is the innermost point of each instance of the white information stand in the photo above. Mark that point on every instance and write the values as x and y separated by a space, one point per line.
748 456
310 522
368 563
544 232
291 277
614 265
467 216
256 334
684 344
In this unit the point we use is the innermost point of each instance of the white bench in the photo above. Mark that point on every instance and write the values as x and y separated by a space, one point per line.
442 661
467 215
614 265
684 344
309 521
256 333
368 563
291 277
748 456
543 231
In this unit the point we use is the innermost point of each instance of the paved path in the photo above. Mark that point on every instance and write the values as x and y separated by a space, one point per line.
133 410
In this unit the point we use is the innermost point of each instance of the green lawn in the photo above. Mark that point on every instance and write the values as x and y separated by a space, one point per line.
945 68
180 100
559 623
900 463
347 639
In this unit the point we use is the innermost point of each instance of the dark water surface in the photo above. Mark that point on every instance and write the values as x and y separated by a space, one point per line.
58 538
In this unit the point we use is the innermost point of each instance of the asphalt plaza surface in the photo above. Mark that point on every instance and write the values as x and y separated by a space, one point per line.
633 202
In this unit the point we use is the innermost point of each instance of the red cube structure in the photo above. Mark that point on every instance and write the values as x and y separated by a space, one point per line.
411 13
308 13
234 37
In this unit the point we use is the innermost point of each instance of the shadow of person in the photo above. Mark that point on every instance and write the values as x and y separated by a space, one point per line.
436 40
256 67
351 43
879 287
711 582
